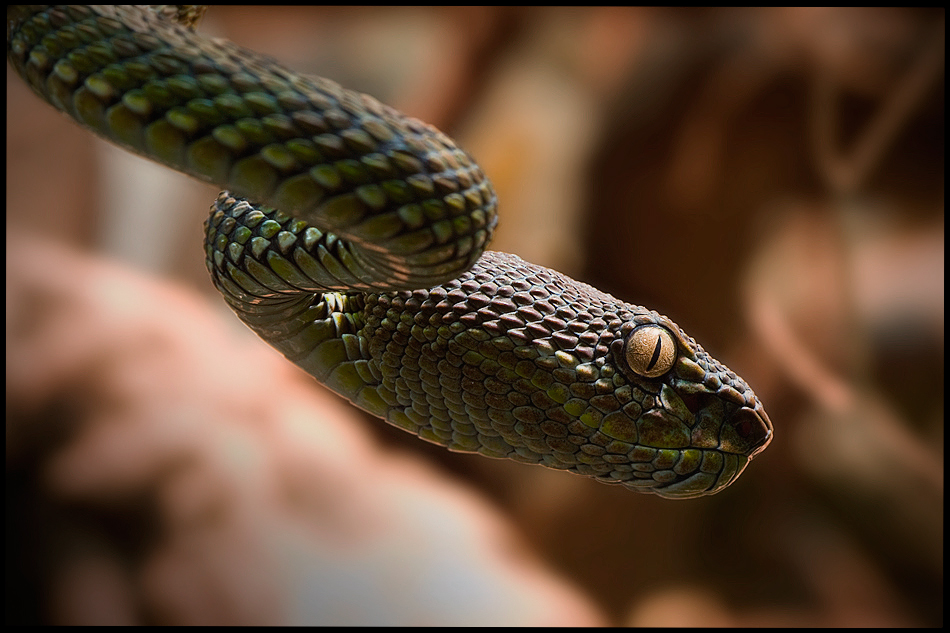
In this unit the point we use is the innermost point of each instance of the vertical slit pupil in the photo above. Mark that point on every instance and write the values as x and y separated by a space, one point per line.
656 352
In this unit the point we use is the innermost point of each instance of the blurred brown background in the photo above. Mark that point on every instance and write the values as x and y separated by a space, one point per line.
771 179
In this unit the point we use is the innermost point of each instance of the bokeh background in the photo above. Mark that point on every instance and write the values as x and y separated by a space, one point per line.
772 179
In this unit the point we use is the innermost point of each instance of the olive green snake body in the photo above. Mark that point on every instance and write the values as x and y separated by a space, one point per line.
367 267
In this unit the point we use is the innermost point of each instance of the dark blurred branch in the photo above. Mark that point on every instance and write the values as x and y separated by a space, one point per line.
845 175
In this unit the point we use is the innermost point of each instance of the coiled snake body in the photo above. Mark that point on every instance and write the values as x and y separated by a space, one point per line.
368 270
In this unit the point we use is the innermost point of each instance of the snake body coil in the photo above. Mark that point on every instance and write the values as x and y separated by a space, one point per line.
368 270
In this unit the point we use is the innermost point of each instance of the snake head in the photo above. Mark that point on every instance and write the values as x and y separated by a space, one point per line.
553 371
703 421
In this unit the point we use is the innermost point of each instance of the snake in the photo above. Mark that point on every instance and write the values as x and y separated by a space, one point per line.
352 239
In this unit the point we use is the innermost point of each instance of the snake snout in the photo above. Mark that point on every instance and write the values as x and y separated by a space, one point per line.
754 428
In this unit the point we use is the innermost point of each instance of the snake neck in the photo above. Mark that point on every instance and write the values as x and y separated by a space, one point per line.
414 208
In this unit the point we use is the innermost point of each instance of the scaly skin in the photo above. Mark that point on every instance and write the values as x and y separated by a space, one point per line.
367 266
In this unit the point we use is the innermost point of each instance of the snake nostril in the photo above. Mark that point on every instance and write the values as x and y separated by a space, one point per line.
752 427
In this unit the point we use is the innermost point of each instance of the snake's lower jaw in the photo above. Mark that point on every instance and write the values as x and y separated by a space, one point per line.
702 483
746 434
718 471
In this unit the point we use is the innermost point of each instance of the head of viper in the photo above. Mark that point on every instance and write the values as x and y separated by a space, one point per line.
700 409
553 371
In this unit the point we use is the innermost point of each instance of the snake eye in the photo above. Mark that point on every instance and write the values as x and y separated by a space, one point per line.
650 351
